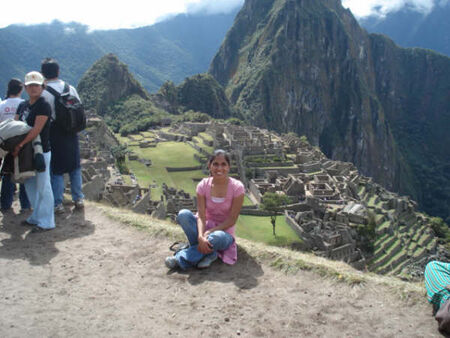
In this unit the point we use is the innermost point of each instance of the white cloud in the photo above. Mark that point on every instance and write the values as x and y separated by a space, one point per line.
107 14
362 8
214 7
69 30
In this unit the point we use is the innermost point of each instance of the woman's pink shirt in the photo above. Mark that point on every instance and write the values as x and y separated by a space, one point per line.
217 213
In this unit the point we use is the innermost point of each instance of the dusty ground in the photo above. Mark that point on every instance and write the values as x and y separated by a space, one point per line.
94 277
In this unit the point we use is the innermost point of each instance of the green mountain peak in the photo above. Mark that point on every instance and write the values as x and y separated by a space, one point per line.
107 81
308 67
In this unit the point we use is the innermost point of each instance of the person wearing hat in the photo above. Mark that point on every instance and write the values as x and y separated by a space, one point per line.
36 113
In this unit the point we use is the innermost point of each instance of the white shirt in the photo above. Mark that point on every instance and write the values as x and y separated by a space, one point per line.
58 85
8 108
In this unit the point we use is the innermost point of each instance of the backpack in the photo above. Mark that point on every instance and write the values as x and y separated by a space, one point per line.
69 112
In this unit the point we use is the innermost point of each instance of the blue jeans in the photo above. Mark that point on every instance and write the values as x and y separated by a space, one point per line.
7 194
220 240
39 192
75 186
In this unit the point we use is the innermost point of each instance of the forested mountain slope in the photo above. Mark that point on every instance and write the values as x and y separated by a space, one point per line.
169 50
308 67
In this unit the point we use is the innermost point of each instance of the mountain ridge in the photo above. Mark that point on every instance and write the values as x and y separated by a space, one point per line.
410 28
313 70
170 50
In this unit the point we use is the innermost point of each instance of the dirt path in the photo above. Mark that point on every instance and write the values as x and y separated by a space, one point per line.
93 277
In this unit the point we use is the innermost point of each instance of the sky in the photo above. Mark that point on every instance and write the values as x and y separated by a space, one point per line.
107 14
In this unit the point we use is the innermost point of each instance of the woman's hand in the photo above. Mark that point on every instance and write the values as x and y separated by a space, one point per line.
16 150
203 245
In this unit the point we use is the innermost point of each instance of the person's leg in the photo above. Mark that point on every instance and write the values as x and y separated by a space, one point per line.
23 198
188 223
30 188
220 240
190 256
7 192
76 183
57 183
43 215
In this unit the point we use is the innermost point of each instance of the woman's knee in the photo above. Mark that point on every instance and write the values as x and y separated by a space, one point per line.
220 240
184 216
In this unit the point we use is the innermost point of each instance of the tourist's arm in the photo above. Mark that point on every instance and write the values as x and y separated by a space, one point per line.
38 125
203 245
236 206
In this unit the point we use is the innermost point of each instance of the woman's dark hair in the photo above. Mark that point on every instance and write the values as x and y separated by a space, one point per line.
219 152
50 68
14 87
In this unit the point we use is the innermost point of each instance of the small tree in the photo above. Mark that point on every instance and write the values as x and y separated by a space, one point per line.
272 202
119 152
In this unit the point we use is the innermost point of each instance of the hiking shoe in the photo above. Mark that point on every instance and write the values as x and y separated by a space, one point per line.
79 204
37 229
59 209
171 262
207 261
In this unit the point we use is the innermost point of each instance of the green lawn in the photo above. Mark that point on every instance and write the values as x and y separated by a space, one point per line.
247 201
206 136
371 202
259 229
141 172
148 134
166 154
361 190
126 179
201 144
168 130
384 225
122 139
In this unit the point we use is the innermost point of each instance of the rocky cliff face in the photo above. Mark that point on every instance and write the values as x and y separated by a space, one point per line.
307 66
107 81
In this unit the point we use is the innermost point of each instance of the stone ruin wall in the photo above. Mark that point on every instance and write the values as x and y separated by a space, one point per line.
320 183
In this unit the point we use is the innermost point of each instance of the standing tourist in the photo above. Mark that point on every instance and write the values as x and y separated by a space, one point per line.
8 109
211 233
36 113
65 146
